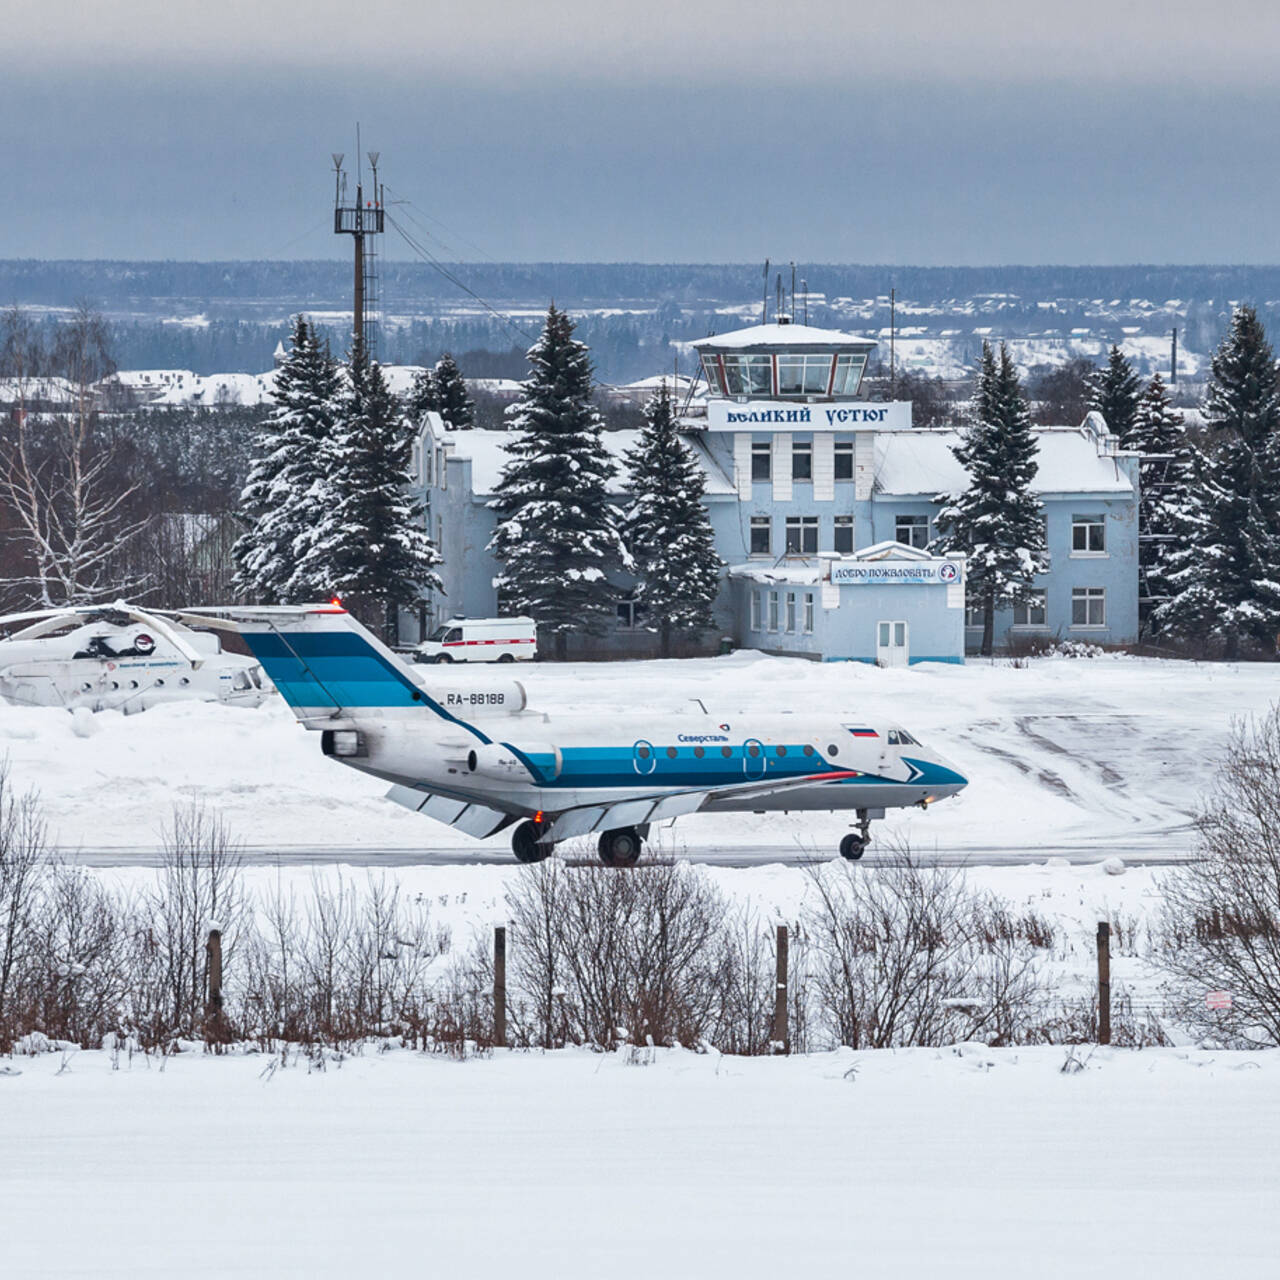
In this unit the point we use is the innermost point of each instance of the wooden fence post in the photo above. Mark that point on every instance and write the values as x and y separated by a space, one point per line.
1104 982
780 1037
213 994
500 987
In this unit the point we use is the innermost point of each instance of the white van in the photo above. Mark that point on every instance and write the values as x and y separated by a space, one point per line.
481 640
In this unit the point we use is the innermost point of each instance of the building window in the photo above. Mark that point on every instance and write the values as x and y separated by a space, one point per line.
972 615
631 615
1088 536
1088 607
848 374
791 612
802 460
748 375
803 375
1032 612
773 611
912 531
844 535
755 611
711 364
802 535
844 459
761 460
808 613
760 536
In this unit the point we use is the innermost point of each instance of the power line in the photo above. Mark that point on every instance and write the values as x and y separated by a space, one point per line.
427 256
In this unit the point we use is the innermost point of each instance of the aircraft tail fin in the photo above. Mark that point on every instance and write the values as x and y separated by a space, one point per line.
328 667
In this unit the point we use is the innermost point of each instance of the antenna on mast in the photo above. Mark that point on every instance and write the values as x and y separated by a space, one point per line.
362 220
764 317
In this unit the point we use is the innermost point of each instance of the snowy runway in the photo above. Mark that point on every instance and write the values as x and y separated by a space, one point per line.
1109 754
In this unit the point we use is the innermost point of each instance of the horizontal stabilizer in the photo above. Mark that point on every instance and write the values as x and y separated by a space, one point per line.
474 819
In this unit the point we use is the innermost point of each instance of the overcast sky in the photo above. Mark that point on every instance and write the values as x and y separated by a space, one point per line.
725 130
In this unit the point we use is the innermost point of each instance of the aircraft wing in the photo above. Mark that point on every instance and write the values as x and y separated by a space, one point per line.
672 804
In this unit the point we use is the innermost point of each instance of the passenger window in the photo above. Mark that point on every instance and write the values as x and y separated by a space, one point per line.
726 752
753 750
833 750
453 636
642 752
699 752
671 753
808 750
781 751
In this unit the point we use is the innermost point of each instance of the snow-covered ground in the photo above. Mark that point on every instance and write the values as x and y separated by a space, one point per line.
1104 753
962 1162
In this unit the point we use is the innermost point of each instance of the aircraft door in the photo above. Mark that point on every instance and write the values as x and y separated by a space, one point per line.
892 649
643 757
753 759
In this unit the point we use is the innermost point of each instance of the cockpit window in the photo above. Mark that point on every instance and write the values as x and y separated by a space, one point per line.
901 738
892 737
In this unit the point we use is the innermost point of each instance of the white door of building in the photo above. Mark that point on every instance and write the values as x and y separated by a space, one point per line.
891 644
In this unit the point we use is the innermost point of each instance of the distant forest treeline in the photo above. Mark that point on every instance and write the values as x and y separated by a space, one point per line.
313 283
216 317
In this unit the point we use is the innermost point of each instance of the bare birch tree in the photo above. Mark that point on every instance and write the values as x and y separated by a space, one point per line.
70 510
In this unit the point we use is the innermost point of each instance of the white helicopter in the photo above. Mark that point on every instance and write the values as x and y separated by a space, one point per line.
117 657
470 755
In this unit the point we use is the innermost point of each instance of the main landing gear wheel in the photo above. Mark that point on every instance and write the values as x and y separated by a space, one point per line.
527 843
853 846
620 848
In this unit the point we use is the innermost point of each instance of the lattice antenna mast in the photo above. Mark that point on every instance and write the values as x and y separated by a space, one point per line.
362 219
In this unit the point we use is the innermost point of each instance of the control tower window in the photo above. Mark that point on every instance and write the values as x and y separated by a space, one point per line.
848 374
803 375
711 364
748 375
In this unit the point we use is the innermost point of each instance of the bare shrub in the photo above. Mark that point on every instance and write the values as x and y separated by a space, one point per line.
23 851
198 887
348 964
608 958
1220 929
907 955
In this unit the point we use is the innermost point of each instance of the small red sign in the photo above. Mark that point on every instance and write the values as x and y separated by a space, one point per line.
1218 1000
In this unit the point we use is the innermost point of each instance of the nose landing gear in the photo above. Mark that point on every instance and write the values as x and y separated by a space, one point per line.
854 845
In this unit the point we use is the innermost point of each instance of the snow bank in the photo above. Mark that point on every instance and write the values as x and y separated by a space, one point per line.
988 1164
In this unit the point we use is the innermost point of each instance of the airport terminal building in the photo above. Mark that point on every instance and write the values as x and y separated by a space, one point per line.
823 507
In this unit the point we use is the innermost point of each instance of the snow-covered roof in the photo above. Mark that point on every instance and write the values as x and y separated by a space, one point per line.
922 462
487 451
783 335
785 572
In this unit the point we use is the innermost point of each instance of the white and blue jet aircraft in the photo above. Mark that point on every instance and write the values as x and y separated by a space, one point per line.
471 756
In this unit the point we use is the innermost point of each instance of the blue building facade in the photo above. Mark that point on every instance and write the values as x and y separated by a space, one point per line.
823 506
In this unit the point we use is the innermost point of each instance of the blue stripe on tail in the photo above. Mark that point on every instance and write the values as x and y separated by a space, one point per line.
339 669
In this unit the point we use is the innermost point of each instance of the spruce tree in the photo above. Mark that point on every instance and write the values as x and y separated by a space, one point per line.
1225 571
369 546
423 395
1164 473
667 529
557 536
997 523
1115 392
453 403
287 471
